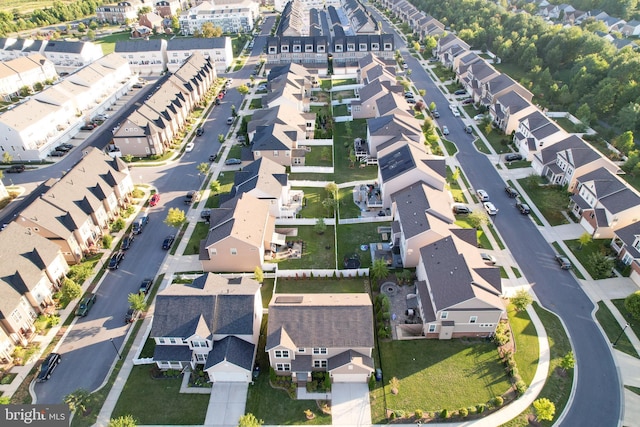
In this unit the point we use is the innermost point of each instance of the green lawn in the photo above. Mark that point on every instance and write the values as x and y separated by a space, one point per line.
320 286
313 197
454 187
152 401
108 43
345 133
483 240
319 156
527 349
634 324
315 253
584 252
226 183
613 330
550 200
351 236
199 233
348 209
436 375
266 291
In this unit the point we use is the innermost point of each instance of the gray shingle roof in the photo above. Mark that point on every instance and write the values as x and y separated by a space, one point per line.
196 43
232 350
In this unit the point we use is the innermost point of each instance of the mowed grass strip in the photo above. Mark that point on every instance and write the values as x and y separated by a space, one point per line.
436 375
318 251
527 349
320 286
155 402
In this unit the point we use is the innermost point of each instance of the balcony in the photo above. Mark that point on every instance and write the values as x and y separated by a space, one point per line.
617 245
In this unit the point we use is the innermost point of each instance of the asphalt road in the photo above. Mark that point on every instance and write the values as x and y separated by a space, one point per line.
597 395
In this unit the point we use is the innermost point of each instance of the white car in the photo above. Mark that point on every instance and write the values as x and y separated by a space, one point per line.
445 130
456 113
479 117
482 195
490 208
189 147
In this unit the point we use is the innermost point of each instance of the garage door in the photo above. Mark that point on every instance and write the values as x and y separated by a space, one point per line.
350 378
229 377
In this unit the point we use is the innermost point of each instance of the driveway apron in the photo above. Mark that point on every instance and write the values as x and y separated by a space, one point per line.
227 404
350 404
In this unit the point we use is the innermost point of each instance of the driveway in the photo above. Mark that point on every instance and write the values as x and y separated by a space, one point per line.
227 404
350 404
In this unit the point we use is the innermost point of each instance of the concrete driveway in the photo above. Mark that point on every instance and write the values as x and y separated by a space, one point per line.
227 404
350 404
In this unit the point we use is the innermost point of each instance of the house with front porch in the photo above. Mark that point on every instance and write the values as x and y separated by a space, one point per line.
330 333
603 202
448 48
509 109
626 243
499 85
213 322
534 132
457 294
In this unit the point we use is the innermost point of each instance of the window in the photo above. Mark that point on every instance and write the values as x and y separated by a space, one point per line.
320 350
276 154
473 319
200 357
432 328
16 316
281 354
234 251
161 341
256 153
200 344
283 366
320 363
172 340
213 251
301 350
444 314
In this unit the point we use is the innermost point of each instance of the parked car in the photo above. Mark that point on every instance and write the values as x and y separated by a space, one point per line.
200 131
445 130
85 305
460 209
488 259
523 208
405 66
411 100
137 86
408 94
205 214
220 95
229 120
102 116
189 147
261 87
131 316
467 101
115 260
229 82
511 192
490 208
127 241
217 101
88 126
192 197
67 145
456 113
482 195
435 114
564 262
168 241
56 153
460 92
145 286
241 139
232 162
63 148
478 117
15 169
512 157
213 157
155 199
468 129
48 366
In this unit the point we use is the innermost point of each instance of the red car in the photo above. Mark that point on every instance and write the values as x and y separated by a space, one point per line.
220 95
154 199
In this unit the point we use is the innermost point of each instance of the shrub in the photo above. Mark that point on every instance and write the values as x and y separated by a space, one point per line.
118 225
481 407
418 413
497 401
444 414
463 412
521 387
514 372
400 413
472 410
107 240
372 382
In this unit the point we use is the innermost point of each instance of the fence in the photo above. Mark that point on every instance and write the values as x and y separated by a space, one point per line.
311 169
315 142
315 273
144 361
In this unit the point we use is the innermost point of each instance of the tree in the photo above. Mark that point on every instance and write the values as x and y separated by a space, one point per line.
568 361
625 142
209 31
352 158
330 205
584 114
6 157
137 302
214 186
585 239
221 138
477 219
143 10
332 189
233 111
632 304
379 269
76 401
249 420
91 35
544 409
175 218
175 24
521 300
203 168
123 421
601 265
320 227
5 400
258 274
70 290
243 89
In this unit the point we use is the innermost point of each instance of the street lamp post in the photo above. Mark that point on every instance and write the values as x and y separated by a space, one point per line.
116 348
621 332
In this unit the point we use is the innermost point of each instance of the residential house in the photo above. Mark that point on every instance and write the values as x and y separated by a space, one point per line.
267 180
283 114
477 75
499 85
241 230
421 215
167 8
631 28
141 32
384 132
16 317
534 132
372 68
509 109
457 294
280 144
293 20
563 161
7 347
233 17
119 13
310 50
68 56
212 323
603 203
461 64
24 71
153 21
427 25
144 56
347 49
366 106
448 48
310 332
626 243
360 19
11 48
218 50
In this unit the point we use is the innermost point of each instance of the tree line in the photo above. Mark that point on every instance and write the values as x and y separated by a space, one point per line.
12 22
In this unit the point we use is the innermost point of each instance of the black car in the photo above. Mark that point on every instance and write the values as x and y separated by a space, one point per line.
511 192
523 208
63 148
213 157
15 169
56 153
205 214
192 197
200 131
460 92
145 286
127 241
115 260
137 86
48 366
512 157
166 245
89 126
131 316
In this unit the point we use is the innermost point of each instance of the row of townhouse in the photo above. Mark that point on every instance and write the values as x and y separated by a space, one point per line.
34 127
54 231
420 22
237 16
24 71
127 11
66 56
154 57
601 201
360 20
567 14
151 128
